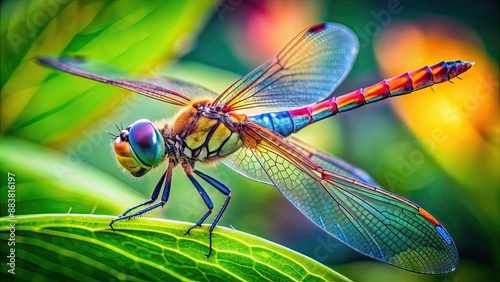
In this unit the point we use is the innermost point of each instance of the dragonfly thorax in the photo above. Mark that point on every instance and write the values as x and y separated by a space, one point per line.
205 134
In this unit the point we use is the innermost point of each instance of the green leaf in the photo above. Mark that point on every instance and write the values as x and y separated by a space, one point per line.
50 182
82 247
134 35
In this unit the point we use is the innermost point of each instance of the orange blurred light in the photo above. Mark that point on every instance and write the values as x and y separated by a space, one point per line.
464 114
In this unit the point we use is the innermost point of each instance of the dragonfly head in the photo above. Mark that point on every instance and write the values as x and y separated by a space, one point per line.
139 147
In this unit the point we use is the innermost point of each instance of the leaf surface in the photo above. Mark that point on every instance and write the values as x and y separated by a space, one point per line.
83 247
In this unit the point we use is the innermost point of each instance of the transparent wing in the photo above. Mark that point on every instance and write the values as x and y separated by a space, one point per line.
332 163
194 91
244 162
370 220
162 89
307 70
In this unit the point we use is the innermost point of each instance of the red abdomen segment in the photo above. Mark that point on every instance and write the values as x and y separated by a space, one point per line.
288 122
402 84
399 85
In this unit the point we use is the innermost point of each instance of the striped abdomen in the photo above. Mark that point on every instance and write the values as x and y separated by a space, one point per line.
288 122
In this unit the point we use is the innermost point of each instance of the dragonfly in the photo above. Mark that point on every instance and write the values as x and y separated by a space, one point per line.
296 89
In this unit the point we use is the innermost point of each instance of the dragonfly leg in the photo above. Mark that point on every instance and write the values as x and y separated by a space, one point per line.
154 196
204 196
224 190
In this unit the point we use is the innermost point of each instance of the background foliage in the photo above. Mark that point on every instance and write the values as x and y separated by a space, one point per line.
440 149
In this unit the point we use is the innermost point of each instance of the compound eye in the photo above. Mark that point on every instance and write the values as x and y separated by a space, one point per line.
146 142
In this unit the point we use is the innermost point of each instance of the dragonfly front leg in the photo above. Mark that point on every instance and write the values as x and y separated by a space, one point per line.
154 196
208 202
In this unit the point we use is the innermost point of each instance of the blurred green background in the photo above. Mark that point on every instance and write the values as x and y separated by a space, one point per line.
438 148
